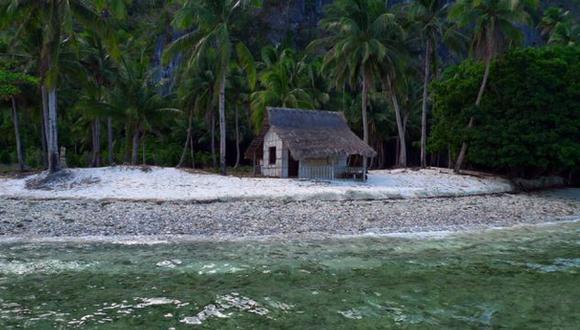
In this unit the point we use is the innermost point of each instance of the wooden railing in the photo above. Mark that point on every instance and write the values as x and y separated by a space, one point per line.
329 172
321 172
325 172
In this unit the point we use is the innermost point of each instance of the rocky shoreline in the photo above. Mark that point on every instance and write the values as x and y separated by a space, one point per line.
29 218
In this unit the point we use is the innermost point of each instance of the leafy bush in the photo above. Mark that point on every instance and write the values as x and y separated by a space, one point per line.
529 120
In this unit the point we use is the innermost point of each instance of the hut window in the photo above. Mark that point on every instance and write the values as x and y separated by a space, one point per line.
272 154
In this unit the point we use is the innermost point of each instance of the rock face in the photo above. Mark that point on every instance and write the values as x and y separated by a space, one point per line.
294 21
297 20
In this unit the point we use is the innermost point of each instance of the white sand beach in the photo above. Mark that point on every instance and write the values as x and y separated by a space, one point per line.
170 184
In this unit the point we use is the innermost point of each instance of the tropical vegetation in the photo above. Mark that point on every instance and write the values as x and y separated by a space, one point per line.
486 84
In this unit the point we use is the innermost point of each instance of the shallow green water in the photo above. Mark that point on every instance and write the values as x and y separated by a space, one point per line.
519 278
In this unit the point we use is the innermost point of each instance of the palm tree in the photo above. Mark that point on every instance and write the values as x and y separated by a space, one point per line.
10 83
356 51
493 27
91 105
317 84
23 52
137 98
567 34
381 124
552 17
558 27
55 18
394 77
392 73
100 72
196 94
430 18
282 82
212 21
240 99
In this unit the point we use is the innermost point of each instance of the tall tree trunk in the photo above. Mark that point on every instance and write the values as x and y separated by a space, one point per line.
192 151
488 58
43 142
19 149
222 114
425 101
96 162
248 112
381 155
187 140
212 133
52 132
364 106
143 148
463 152
237 138
128 149
135 153
449 157
49 97
45 127
397 151
401 130
110 140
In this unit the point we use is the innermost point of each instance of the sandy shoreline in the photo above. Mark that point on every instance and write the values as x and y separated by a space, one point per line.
65 220
170 184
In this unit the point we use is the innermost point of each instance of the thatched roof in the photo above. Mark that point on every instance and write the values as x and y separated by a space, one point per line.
311 134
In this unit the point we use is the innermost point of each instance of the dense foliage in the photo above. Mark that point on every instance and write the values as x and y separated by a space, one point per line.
186 83
529 121
11 82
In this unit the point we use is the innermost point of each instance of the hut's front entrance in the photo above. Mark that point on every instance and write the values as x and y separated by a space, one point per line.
293 166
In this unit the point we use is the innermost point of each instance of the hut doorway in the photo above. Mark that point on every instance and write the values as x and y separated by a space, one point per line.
293 166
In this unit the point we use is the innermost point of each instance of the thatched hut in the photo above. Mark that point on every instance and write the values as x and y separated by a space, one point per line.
307 144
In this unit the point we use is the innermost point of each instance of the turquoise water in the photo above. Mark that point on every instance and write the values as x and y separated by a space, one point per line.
515 278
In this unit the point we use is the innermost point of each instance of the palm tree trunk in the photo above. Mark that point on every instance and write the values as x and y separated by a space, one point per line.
52 132
401 130
488 58
381 154
96 162
187 140
212 133
110 140
143 148
364 106
19 150
128 149
222 114
135 153
237 138
425 100
247 110
43 142
463 152
397 151
192 151
449 157
49 96
405 122
45 121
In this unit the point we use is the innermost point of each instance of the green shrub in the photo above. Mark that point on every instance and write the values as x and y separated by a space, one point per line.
529 120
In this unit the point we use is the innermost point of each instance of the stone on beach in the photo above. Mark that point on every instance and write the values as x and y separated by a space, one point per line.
247 219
